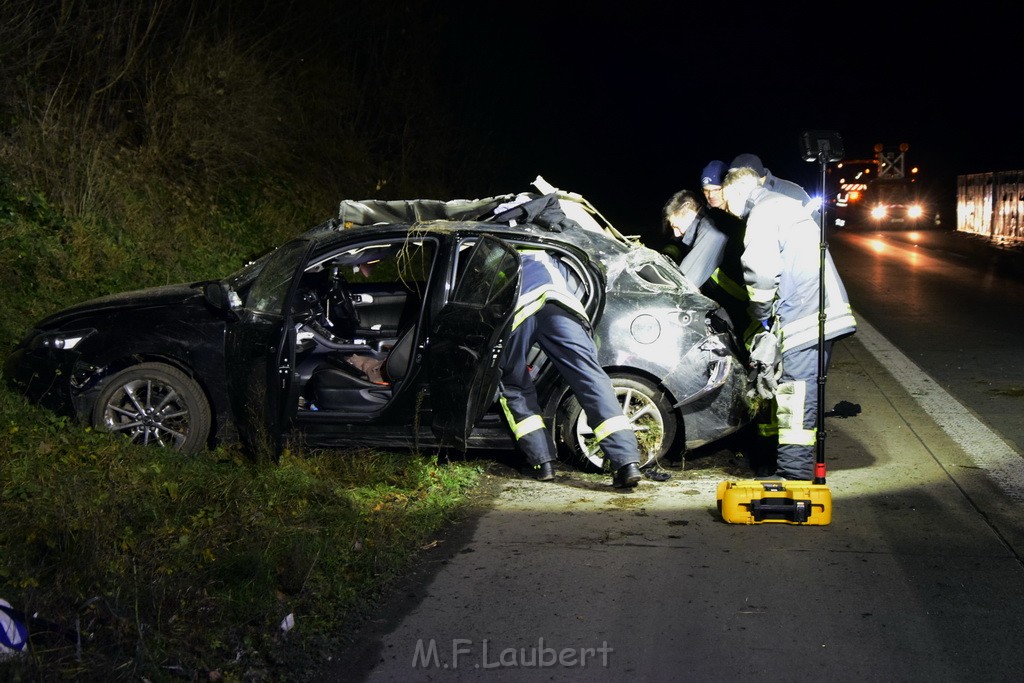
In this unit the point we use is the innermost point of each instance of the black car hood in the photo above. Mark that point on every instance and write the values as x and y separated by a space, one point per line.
166 295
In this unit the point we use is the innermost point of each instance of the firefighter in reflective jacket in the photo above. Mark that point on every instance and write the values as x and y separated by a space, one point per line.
547 314
782 270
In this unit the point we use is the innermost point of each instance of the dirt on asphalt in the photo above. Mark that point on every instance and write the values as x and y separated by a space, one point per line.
573 490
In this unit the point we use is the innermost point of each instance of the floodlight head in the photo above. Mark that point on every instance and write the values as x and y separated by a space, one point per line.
825 146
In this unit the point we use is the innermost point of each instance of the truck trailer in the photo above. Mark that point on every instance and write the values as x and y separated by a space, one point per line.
991 205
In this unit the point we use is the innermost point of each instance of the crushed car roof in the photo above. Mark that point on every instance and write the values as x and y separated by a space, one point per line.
548 208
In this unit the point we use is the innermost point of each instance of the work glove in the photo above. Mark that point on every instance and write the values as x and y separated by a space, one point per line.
765 365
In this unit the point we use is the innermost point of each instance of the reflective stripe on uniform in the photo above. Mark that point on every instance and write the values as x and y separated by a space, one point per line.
526 310
797 437
804 330
533 301
761 295
521 429
728 285
790 401
612 425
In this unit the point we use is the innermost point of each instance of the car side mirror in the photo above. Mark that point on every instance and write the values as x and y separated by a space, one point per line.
219 296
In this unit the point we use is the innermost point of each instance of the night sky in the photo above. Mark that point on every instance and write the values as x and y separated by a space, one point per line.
625 105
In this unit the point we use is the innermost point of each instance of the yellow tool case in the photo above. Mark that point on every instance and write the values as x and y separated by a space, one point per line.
788 502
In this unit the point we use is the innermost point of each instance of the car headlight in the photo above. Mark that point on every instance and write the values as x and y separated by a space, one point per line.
60 341
878 212
915 211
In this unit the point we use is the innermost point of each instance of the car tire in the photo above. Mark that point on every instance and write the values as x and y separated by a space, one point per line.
648 408
154 404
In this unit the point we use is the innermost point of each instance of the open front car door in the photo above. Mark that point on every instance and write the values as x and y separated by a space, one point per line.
261 349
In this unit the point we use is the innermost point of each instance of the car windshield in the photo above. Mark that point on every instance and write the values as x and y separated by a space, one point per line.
243 277
270 288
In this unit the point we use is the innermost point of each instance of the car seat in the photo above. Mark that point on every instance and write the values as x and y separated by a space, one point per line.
338 384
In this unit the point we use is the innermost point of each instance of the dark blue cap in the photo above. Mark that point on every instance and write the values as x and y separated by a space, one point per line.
748 160
713 173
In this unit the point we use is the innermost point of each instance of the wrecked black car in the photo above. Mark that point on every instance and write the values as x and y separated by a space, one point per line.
383 327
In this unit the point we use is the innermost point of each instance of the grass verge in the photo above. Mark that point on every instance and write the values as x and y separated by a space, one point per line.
143 565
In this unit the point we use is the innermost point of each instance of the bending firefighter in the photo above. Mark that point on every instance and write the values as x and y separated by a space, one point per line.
782 261
547 314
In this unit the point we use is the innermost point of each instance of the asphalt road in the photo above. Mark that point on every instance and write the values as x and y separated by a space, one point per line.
918 576
954 308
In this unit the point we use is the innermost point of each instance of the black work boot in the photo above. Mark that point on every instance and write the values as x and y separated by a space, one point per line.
544 471
627 476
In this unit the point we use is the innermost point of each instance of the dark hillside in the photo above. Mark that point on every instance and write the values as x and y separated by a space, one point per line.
146 142
166 140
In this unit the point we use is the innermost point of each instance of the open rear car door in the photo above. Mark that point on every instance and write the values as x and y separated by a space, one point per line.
468 337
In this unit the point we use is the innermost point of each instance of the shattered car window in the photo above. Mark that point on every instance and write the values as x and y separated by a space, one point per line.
271 286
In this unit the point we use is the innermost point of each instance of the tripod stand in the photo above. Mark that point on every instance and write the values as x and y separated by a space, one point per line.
824 147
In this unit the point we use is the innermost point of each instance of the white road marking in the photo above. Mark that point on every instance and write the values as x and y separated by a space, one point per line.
985 448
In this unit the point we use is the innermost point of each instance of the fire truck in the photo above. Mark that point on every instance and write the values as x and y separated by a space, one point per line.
880 193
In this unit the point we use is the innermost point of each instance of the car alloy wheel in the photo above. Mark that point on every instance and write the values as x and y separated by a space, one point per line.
648 410
154 404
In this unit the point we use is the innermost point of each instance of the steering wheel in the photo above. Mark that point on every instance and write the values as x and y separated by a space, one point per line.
340 297
307 306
